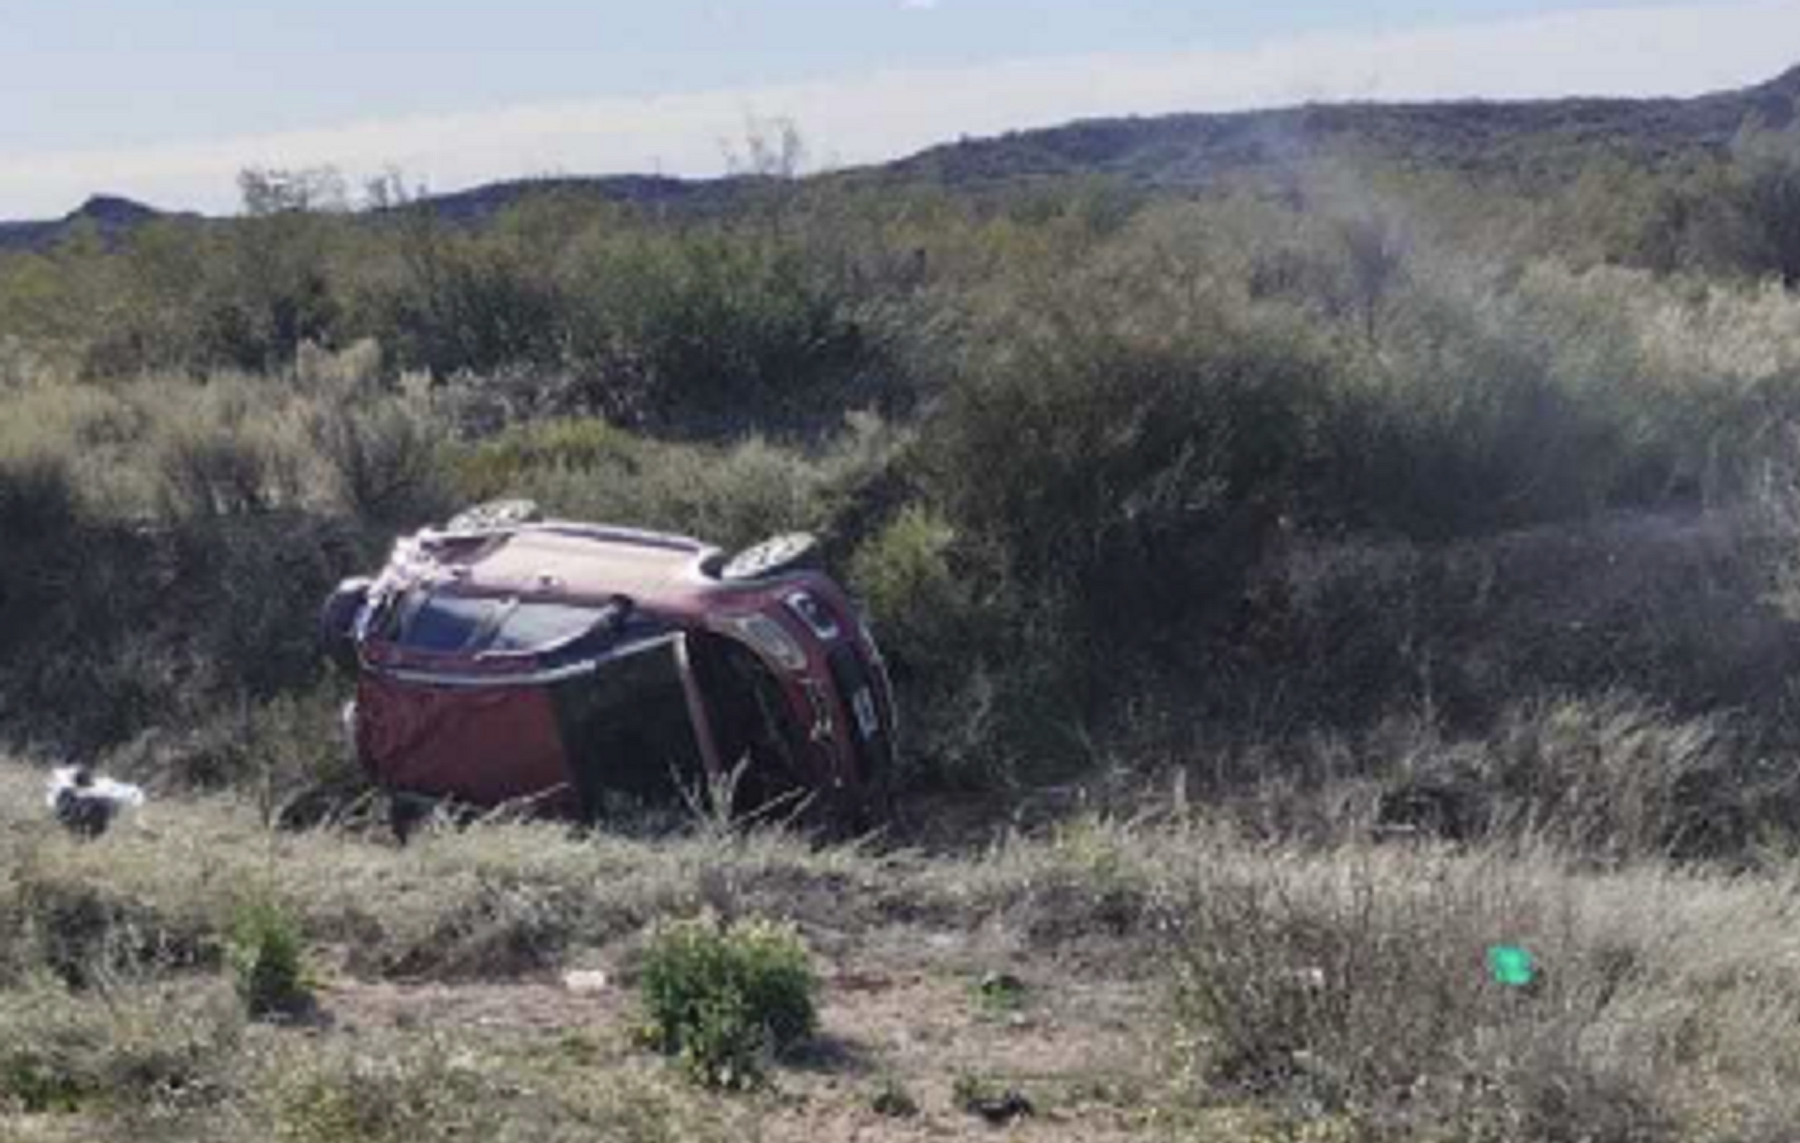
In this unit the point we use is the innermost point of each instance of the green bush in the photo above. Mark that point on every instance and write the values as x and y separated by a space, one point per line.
1115 455
267 955
721 329
384 456
905 577
729 495
726 997
232 447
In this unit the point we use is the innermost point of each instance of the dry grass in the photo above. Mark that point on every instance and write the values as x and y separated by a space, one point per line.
1340 990
1353 985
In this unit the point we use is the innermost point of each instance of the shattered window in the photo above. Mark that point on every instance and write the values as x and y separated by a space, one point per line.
531 625
446 622
464 625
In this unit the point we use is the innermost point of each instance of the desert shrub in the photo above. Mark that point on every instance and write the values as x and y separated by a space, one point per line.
127 1055
395 1089
265 577
495 921
722 329
466 303
414 1091
384 457
942 631
49 431
494 466
1088 876
234 446
905 577
38 497
1466 428
229 474
1674 606
90 936
1116 468
729 495
1362 990
1703 382
1614 777
267 957
726 997
19 366
1357 983
273 280
1763 194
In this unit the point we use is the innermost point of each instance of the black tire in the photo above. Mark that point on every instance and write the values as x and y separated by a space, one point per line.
774 556
407 813
495 514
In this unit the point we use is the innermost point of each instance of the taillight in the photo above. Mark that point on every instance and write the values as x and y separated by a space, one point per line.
814 614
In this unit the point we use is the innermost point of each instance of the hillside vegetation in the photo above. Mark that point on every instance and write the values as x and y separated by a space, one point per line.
1296 586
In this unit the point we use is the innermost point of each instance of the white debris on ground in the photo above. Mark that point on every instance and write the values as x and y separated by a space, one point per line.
86 804
586 983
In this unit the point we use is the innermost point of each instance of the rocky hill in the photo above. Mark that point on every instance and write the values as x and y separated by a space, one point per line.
109 215
1530 139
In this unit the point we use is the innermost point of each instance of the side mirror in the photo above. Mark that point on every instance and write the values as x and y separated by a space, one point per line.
337 622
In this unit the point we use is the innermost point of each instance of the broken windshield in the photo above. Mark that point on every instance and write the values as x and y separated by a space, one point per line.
471 625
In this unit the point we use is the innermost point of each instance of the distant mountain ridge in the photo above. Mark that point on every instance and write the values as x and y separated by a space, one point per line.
1195 150
110 215
1526 138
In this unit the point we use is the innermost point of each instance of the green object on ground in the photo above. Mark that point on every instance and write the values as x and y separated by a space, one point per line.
1512 966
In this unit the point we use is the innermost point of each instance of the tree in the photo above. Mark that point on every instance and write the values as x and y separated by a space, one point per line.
274 290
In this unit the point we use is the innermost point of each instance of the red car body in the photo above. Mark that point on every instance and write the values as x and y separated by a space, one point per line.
570 665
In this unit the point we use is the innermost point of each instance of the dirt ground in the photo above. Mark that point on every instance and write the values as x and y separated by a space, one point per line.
905 1023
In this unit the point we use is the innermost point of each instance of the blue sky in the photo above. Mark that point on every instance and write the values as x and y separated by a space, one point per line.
165 101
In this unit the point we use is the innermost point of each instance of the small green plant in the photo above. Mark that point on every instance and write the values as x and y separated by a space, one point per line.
268 960
1000 994
893 1100
37 1085
725 998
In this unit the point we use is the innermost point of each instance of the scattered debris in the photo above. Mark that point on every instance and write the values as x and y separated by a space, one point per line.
85 804
1513 967
586 983
999 1108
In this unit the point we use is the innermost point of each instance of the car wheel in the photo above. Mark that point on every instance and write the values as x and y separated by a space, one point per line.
495 514
772 557
406 813
337 622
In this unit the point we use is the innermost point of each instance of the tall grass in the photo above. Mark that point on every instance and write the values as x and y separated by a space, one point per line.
1355 985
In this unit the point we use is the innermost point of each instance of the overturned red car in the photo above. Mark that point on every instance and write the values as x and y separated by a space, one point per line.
579 668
